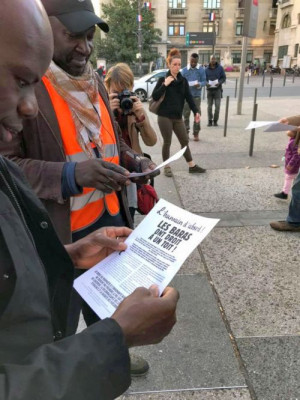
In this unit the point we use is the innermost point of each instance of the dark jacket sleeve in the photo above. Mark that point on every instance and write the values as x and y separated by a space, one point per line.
159 89
189 97
92 365
222 78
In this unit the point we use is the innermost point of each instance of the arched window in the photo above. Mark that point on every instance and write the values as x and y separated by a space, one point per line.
286 21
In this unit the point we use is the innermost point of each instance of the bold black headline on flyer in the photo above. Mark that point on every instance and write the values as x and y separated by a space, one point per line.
172 231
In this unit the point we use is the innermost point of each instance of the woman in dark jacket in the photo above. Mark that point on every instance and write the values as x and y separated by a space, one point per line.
176 90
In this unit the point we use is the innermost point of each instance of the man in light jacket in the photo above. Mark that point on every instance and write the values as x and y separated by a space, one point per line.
195 75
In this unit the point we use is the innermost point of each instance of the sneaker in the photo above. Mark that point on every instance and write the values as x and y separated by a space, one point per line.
215 123
168 172
281 195
196 170
138 366
284 226
209 123
196 138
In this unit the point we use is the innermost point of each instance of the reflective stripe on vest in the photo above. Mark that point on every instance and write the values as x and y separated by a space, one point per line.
88 206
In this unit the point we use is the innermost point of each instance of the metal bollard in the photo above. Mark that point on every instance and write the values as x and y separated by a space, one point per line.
226 115
248 77
284 79
236 85
271 86
255 95
263 80
293 77
253 131
203 97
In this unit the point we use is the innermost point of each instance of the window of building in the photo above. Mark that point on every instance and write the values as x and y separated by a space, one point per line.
241 4
236 57
177 3
286 21
176 28
298 18
211 3
282 51
249 57
239 28
209 27
272 28
267 56
296 50
204 57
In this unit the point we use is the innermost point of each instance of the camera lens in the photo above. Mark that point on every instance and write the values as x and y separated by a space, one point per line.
126 104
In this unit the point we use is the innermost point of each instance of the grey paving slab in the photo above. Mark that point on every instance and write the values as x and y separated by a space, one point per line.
224 394
273 365
256 274
245 218
231 190
239 160
198 352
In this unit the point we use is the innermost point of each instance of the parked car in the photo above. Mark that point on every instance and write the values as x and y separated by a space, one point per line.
144 86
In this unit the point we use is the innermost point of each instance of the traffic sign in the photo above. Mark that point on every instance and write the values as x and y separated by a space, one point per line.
200 38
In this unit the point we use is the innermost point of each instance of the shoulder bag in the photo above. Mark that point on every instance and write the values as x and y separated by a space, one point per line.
154 104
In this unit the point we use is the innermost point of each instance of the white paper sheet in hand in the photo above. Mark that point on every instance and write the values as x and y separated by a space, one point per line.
156 250
175 157
272 126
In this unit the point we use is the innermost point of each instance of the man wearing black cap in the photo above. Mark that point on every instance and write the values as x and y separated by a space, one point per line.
71 153
37 360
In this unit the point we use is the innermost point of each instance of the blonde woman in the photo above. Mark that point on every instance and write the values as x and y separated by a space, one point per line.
130 115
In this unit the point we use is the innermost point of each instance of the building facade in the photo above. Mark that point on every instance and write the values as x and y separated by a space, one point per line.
287 34
178 18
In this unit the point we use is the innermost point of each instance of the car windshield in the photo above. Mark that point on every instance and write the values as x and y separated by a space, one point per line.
151 75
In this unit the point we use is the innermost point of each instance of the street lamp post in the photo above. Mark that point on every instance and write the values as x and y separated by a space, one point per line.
140 38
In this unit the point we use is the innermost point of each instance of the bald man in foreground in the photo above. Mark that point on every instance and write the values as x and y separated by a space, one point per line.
37 361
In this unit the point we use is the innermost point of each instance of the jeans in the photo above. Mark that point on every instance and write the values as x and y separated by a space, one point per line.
213 96
294 209
187 113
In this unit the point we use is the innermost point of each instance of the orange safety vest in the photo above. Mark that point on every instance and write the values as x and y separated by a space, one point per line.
88 206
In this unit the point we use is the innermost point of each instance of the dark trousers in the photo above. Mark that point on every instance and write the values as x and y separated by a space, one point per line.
187 113
167 126
213 97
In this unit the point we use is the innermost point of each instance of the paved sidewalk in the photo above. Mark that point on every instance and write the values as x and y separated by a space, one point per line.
237 335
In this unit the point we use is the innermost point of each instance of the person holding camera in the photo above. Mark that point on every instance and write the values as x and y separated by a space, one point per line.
130 115
71 153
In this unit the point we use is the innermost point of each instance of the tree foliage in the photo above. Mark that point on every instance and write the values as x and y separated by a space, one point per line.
121 43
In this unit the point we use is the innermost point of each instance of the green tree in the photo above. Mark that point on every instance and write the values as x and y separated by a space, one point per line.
121 43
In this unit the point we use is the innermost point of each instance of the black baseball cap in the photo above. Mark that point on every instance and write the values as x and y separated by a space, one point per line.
76 15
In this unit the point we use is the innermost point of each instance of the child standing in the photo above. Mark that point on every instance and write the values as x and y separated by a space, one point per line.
292 165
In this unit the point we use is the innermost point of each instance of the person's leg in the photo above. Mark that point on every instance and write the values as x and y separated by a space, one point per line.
294 208
217 106
288 182
180 132
166 128
292 223
196 125
209 107
186 116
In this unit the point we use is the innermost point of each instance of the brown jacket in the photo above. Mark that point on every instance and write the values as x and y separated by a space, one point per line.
39 151
145 129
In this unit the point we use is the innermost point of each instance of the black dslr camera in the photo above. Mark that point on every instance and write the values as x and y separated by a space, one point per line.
126 103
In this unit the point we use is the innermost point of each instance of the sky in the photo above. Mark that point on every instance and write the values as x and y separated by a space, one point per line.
96 6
